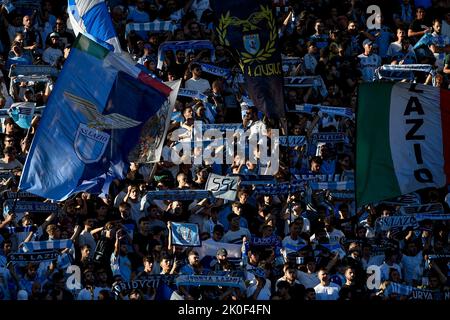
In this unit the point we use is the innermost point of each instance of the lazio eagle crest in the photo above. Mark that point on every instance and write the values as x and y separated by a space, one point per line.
90 141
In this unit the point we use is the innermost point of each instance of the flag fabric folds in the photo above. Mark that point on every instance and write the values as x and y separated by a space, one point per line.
91 18
403 140
92 121
250 29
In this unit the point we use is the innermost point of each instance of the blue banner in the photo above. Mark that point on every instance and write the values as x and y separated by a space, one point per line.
249 29
93 120
292 141
185 234
215 70
29 206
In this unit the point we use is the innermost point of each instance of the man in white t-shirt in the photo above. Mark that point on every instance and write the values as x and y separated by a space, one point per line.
309 278
412 264
197 82
86 238
236 232
53 53
326 290
396 46
260 289
390 258
9 161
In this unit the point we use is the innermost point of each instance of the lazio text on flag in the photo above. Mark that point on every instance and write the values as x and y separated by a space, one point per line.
92 121
403 140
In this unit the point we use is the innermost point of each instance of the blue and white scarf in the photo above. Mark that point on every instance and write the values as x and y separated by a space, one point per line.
331 110
184 45
223 127
407 68
210 280
306 82
29 206
247 180
181 195
215 70
431 216
19 195
46 245
33 256
158 26
402 222
194 94
12 230
279 188
334 185
331 137
416 293
292 141
33 71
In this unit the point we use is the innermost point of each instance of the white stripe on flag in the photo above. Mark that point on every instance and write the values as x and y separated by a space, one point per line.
86 5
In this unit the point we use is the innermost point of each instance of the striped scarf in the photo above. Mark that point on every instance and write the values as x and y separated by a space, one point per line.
334 185
217 71
192 94
331 110
158 26
47 245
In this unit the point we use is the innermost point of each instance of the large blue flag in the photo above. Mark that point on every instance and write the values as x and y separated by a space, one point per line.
93 119
91 18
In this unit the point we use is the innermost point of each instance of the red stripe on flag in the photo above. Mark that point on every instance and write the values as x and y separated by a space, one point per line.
154 83
445 118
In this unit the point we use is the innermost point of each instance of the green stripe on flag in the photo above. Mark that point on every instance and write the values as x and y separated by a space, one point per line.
91 47
375 175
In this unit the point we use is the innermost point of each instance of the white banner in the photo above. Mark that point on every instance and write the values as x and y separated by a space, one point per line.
222 187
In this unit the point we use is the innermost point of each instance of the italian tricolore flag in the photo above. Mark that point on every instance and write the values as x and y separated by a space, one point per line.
403 140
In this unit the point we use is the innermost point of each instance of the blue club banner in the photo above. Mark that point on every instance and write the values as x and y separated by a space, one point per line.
185 234
250 30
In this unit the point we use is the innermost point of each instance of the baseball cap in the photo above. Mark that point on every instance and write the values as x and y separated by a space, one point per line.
367 42
222 252
54 35
22 295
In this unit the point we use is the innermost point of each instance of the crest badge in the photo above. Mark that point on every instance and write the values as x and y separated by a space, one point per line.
185 233
251 43
90 144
